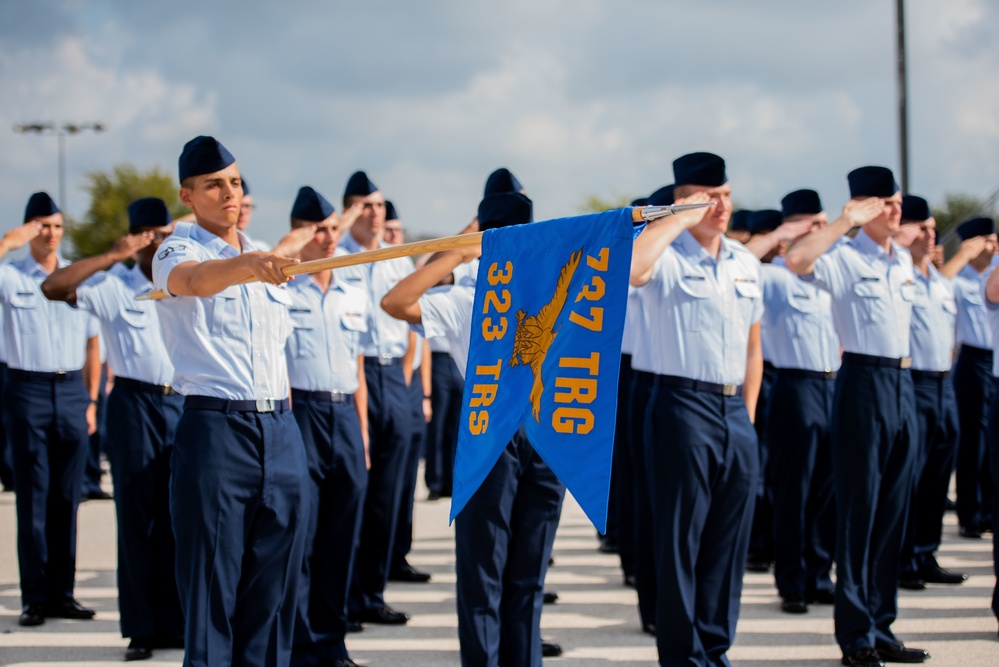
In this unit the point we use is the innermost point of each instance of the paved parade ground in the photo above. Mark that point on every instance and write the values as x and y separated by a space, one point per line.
595 619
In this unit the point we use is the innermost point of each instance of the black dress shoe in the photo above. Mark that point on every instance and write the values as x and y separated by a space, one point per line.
793 605
897 652
551 597
96 495
354 626
384 616
433 494
409 574
649 629
139 649
865 657
629 580
69 609
822 596
911 582
756 565
33 614
607 546
550 649
938 575
970 532
344 662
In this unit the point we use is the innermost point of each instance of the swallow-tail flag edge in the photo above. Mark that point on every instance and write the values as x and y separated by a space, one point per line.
547 323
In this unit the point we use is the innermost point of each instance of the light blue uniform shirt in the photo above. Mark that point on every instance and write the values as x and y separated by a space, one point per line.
230 345
326 337
42 336
872 295
992 310
386 336
446 312
700 311
933 313
797 325
972 322
131 328
632 321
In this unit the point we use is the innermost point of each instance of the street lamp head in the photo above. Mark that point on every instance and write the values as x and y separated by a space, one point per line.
24 128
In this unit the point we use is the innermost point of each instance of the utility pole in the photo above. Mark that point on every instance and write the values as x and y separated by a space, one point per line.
903 114
61 133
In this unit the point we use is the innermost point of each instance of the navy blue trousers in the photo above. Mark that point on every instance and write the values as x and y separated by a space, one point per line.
390 414
140 432
645 555
973 387
873 436
798 430
239 504
503 540
761 540
404 523
334 448
703 473
47 428
621 510
442 433
994 460
935 452
6 455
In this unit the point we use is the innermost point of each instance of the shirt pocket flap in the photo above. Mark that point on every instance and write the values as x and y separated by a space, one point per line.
747 290
354 322
698 287
24 299
869 289
135 317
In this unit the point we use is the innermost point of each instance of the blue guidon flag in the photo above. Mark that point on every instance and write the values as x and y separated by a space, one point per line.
545 348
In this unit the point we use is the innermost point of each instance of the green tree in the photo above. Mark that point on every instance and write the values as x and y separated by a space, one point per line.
957 208
110 194
598 204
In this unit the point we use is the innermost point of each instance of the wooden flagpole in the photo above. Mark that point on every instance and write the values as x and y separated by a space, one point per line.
368 256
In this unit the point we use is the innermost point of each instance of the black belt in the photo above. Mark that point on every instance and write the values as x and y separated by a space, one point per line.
39 376
807 374
976 352
768 366
929 375
698 385
879 362
225 405
383 361
322 396
147 387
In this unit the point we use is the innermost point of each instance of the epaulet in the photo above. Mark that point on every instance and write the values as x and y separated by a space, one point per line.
182 230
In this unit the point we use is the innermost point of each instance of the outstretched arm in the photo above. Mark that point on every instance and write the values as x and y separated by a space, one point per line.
969 250
62 284
761 244
18 237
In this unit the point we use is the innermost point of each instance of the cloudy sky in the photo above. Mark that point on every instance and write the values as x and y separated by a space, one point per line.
577 97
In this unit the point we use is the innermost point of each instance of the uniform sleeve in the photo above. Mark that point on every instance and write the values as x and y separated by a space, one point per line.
173 252
827 274
758 305
664 271
93 326
6 273
442 312
100 297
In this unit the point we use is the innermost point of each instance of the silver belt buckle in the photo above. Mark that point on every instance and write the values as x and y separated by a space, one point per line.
905 362
265 405
729 389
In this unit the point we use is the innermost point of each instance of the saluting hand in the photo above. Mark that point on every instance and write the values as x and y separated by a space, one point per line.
690 218
20 236
293 242
861 211
266 266
790 231
130 244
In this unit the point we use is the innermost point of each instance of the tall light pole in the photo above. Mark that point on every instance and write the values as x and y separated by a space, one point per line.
903 114
61 132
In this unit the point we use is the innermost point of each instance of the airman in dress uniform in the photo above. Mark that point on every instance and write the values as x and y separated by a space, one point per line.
239 483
